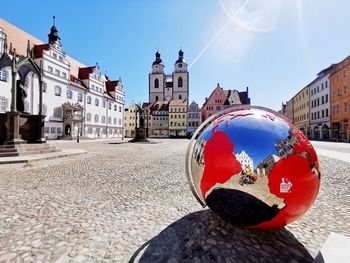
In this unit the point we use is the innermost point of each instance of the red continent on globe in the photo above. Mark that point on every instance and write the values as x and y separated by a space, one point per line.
298 169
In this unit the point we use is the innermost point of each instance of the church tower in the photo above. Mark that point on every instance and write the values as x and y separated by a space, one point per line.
180 78
156 80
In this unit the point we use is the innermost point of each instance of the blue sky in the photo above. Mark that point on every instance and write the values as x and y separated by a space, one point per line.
253 134
275 47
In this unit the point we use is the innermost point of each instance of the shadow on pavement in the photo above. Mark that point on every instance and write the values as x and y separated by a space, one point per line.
204 237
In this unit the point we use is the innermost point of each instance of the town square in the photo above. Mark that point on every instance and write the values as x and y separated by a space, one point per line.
174 131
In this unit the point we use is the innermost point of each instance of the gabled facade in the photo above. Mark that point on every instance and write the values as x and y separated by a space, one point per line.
65 82
221 99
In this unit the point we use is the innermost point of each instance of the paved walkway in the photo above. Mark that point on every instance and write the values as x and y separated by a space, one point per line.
104 205
334 150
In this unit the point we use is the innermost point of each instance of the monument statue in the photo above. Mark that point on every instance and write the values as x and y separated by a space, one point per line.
21 96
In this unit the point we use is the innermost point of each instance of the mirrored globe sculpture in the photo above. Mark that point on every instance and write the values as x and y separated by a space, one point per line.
253 168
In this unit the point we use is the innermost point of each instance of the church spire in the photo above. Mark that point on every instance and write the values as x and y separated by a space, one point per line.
181 56
53 36
158 59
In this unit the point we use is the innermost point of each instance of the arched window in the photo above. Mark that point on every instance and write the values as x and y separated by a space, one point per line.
156 83
96 118
88 100
44 86
69 94
97 102
180 82
180 97
88 117
58 91
103 119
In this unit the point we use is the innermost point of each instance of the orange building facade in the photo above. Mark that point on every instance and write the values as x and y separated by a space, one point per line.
340 100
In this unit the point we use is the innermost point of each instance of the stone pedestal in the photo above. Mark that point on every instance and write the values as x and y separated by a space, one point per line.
141 135
39 121
13 125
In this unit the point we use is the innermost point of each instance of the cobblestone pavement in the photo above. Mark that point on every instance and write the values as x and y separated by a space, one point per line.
103 206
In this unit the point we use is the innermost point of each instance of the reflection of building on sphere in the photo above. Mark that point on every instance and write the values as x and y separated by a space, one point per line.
244 159
253 168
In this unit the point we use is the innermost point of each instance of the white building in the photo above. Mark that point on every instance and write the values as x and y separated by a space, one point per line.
169 87
245 160
68 86
320 105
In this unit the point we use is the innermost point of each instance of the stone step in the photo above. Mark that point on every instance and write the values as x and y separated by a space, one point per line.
23 149
26 149
15 146
9 154
21 153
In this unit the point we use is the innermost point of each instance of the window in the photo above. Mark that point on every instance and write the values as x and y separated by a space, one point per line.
64 75
3 75
156 97
115 107
180 82
103 104
3 104
180 97
97 102
109 120
50 69
58 91
53 130
55 55
109 105
80 97
326 111
57 113
103 119
59 130
69 94
96 118
44 86
47 130
44 109
88 117
326 97
88 100
156 84
60 58
114 121
57 72
120 108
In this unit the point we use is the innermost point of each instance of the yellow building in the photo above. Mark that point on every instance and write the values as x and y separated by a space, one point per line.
177 118
131 116
302 111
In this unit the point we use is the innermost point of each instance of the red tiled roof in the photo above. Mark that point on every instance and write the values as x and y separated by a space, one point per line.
84 72
38 50
111 85
178 102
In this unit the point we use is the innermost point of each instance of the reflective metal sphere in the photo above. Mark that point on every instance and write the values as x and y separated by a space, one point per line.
253 168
